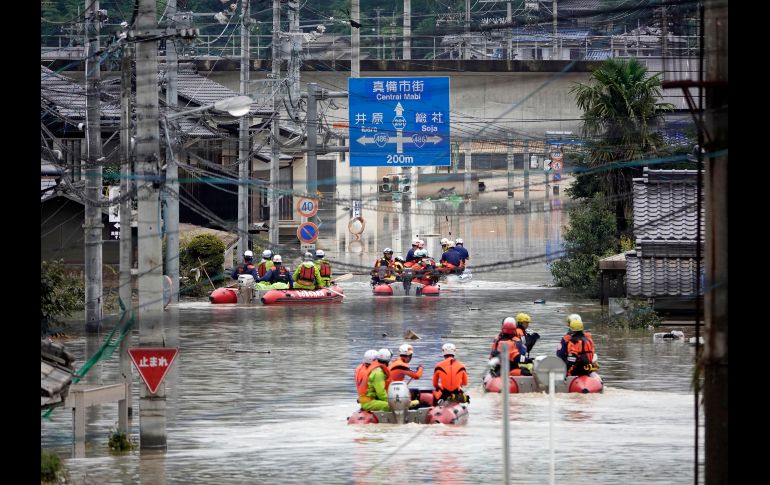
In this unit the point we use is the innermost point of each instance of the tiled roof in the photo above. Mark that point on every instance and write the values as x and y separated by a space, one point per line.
519 34
650 277
196 128
652 248
665 204
55 373
69 97
202 91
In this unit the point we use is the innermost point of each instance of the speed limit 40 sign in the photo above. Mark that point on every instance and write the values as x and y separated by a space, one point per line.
307 207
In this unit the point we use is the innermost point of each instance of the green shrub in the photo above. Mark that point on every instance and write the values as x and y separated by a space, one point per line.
208 250
50 466
589 237
638 314
120 442
60 294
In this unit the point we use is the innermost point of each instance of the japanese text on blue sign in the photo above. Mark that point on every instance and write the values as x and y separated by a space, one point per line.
399 121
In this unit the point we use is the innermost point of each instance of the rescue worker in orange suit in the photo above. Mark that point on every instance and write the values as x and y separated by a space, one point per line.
576 349
382 268
247 267
377 379
306 276
362 371
449 377
399 368
527 337
520 365
324 268
266 264
279 273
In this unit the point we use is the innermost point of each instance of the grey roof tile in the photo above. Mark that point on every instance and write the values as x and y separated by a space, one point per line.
69 97
651 277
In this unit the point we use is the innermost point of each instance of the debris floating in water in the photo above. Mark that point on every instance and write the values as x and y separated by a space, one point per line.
539 301
473 308
411 335
673 335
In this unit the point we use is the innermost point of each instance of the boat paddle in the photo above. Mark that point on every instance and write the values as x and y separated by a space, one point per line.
343 277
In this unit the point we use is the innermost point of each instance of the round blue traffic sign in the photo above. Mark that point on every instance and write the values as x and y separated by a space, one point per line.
307 232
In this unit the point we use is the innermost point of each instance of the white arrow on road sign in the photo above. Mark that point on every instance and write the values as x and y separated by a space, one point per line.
381 139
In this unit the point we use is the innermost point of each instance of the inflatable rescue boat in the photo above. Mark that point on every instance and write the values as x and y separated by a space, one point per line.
332 294
429 412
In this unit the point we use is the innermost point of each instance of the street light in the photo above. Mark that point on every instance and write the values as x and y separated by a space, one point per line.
236 106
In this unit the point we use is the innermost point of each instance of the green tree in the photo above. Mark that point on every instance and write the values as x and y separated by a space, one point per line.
621 109
590 236
60 294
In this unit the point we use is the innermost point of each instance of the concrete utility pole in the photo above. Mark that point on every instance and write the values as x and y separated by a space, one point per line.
294 63
715 356
407 29
244 146
93 194
467 51
355 72
509 19
555 32
152 428
126 240
171 194
311 170
275 158
380 41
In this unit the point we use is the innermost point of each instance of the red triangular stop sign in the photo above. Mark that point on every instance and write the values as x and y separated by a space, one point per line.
152 364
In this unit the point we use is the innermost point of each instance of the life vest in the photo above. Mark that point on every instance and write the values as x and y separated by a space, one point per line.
262 267
579 351
383 263
410 264
306 275
364 388
520 332
325 269
400 369
281 273
243 269
449 375
362 378
513 348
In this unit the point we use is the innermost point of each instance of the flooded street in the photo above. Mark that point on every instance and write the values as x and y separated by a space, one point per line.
261 394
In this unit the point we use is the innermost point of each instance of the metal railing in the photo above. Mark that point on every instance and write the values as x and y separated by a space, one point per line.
337 47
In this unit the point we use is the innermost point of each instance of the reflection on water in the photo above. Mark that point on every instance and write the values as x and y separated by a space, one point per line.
261 394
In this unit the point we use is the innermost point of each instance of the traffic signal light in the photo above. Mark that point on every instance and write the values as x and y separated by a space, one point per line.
389 184
406 182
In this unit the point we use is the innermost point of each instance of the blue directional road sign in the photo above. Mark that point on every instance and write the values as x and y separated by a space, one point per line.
307 232
399 121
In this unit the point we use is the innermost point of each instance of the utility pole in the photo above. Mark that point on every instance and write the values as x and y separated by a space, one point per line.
509 19
152 428
311 170
355 72
171 193
275 158
407 29
294 63
126 241
380 41
244 148
715 354
93 194
555 32
467 51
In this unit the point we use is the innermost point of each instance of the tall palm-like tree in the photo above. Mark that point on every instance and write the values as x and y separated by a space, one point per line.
621 108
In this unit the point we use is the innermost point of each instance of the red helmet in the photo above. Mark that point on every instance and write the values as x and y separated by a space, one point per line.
509 328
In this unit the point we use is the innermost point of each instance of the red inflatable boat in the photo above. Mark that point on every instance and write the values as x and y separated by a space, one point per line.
224 295
520 384
385 289
332 294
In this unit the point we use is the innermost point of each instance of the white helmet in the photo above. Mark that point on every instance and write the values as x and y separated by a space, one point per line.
416 242
308 256
509 320
384 354
406 349
421 244
451 244
387 250
573 316
448 349
267 254
320 253
277 258
370 355
248 254
459 241
444 241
